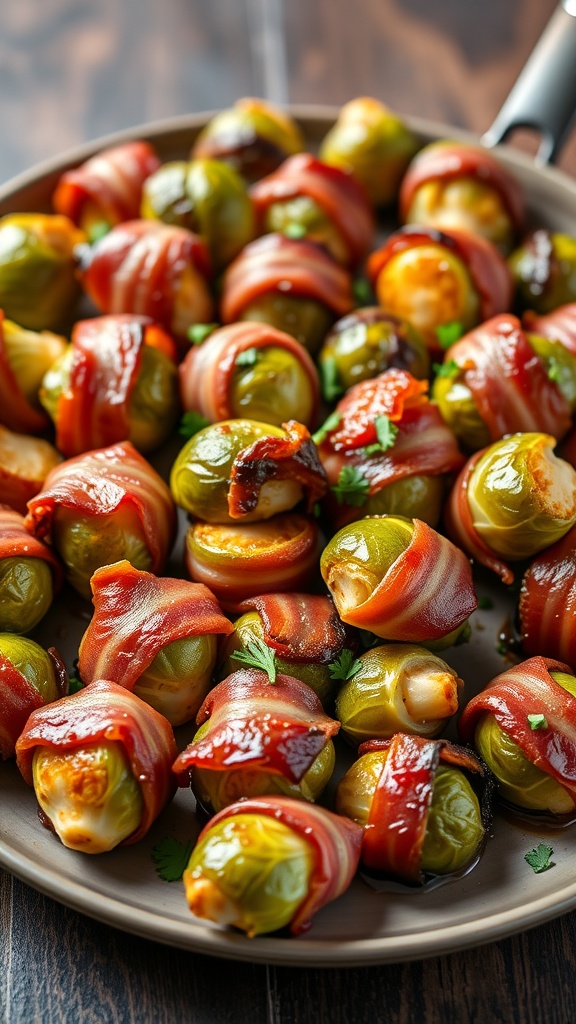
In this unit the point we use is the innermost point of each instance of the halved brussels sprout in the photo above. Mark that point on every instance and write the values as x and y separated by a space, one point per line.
26 593
33 662
179 677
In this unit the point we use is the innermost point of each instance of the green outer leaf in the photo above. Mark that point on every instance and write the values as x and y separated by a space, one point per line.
539 858
171 857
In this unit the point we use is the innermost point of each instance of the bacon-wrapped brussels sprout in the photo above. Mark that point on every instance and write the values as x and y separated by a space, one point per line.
524 726
400 579
397 688
25 356
151 269
544 269
310 199
386 450
30 575
433 278
155 636
303 631
458 185
101 507
24 465
292 284
365 343
258 734
242 469
253 136
250 370
373 143
107 188
117 381
547 602
558 326
499 380
271 862
38 286
206 196
100 763
512 500
241 561
29 678
416 800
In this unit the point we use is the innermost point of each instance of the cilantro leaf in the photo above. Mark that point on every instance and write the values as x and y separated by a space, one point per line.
386 432
249 357
539 858
447 334
257 654
448 369
171 858
330 379
345 665
362 291
295 230
537 722
330 423
352 487
198 333
191 423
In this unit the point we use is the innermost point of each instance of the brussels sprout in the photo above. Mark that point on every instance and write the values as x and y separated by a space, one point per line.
272 386
218 789
522 498
249 871
30 354
253 136
25 593
397 688
544 268
359 555
560 365
38 285
467 204
459 411
304 217
33 662
307 320
85 543
179 677
373 143
429 285
369 341
417 496
201 473
89 794
206 196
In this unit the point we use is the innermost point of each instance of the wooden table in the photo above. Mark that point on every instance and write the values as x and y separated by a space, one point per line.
72 71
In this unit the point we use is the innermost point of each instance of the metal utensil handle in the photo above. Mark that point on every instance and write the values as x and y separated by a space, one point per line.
544 95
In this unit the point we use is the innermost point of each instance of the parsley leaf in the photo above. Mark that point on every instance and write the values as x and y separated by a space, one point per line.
191 423
345 665
330 423
257 654
294 230
249 357
97 231
198 333
75 684
537 721
352 487
447 334
554 370
539 858
362 291
448 369
171 858
330 379
386 432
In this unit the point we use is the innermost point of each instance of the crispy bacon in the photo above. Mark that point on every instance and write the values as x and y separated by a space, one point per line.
337 192
111 180
296 267
206 375
280 727
528 689
16 542
335 840
107 713
18 698
16 412
460 526
136 614
100 482
293 457
560 325
547 605
300 627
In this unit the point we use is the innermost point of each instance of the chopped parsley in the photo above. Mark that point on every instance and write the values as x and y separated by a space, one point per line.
191 423
537 722
352 487
330 423
554 370
171 858
294 230
447 369
257 654
198 333
345 665
330 379
362 291
447 334
539 859
249 357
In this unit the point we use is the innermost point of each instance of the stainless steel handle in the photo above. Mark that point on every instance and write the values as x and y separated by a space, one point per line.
544 95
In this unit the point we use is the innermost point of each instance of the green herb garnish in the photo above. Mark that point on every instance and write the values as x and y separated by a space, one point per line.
330 379
448 369
294 230
249 357
198 333
345 665
171 858
330 423
352 487
447 334
386 432
98 230
485 603
537 721
191 423
539 858
362 291
554 370
257 654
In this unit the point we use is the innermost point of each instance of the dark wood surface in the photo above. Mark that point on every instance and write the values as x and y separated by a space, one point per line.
72 70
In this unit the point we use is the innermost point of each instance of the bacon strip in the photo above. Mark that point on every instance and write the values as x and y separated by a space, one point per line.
206 375
293 457
107 713
112 180
337 192
523 690
560 325
335 840
274 263
99 483
509 382
547 605
136 614
16 542
18 698
280 727
460 527
16 411
300 627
